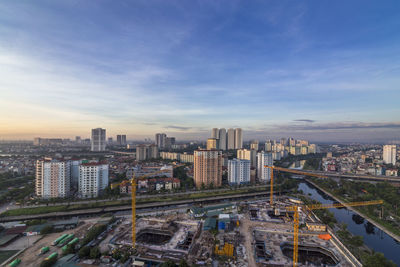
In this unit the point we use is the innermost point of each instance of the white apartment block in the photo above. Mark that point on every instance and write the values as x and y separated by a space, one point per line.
263 173
93 177
248 154
389 154
53 178
239 171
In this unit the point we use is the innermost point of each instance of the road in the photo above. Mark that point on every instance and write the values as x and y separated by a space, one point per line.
137 197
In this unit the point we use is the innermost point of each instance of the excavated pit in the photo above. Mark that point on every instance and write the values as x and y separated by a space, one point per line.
309 254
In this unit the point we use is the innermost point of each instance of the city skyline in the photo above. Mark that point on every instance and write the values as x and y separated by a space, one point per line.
308 70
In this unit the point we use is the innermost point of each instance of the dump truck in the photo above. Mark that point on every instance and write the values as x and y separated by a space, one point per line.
55 242
14 263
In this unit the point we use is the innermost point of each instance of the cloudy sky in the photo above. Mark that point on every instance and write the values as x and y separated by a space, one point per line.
322 70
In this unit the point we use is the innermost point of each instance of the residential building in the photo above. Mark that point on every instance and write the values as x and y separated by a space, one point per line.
215 133
254 145
248 154
230 140
144 152
98 140
238 138
207 168
389 154
161 140
93 178
222 139
263 173
211 143
52 178
239 171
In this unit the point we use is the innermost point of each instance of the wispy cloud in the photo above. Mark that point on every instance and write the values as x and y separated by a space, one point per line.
304 120
181 128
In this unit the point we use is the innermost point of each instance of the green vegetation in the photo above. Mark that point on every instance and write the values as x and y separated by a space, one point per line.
349 191
378 259
84 252
102 204
20 188
186 181
35 222
49 262
93 233
46 230
6 254
312 164
95 253
168 263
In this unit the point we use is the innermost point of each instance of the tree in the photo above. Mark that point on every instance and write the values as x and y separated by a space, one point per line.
183 263
84 252
95 253
168 263
49 262
378 259
46 230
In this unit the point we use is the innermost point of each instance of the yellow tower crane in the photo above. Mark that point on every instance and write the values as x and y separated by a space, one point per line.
296 208
272 168
133 194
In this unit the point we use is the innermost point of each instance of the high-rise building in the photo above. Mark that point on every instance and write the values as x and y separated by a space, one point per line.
144 152
212 143
169 142
254 145
283 141
292 142
247 154
268 146
215 133
93 177
53 178
263 173
77 139
222 139
161 140
389 154
119 139
230 140
98 140
110 140
123 139
207 168
238 171
238 138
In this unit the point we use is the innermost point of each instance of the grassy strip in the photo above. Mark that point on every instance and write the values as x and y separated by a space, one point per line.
102 204
6 254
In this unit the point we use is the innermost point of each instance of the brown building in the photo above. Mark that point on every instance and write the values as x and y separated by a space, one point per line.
207 167
211 143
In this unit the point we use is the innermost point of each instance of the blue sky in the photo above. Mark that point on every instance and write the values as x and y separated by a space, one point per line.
322 70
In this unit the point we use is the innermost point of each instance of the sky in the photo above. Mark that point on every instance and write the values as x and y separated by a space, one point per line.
319 70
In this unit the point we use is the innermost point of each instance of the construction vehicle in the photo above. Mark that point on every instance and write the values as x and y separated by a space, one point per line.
65 240
296 209
73 241
133 194
271 197
55 242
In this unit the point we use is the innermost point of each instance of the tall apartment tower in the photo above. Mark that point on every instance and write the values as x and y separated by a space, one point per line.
161 140
93 177
53 178
98 141
389 154
238 171
212 143
207 168
230 141
222 139
238 138
247 154
254 145
215 133
263 173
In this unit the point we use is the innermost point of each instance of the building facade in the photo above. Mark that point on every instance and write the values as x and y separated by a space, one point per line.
238 171
389 154
212 143
207 168
263 173
93 177
161 140
238 138
98 140
247 154
222 139
230 139
53 178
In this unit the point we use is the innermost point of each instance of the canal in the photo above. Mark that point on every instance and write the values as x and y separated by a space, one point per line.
374 238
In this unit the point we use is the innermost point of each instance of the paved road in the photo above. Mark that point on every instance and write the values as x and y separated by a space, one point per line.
137 197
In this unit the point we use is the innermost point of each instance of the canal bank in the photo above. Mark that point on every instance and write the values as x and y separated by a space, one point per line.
376 224
373 237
